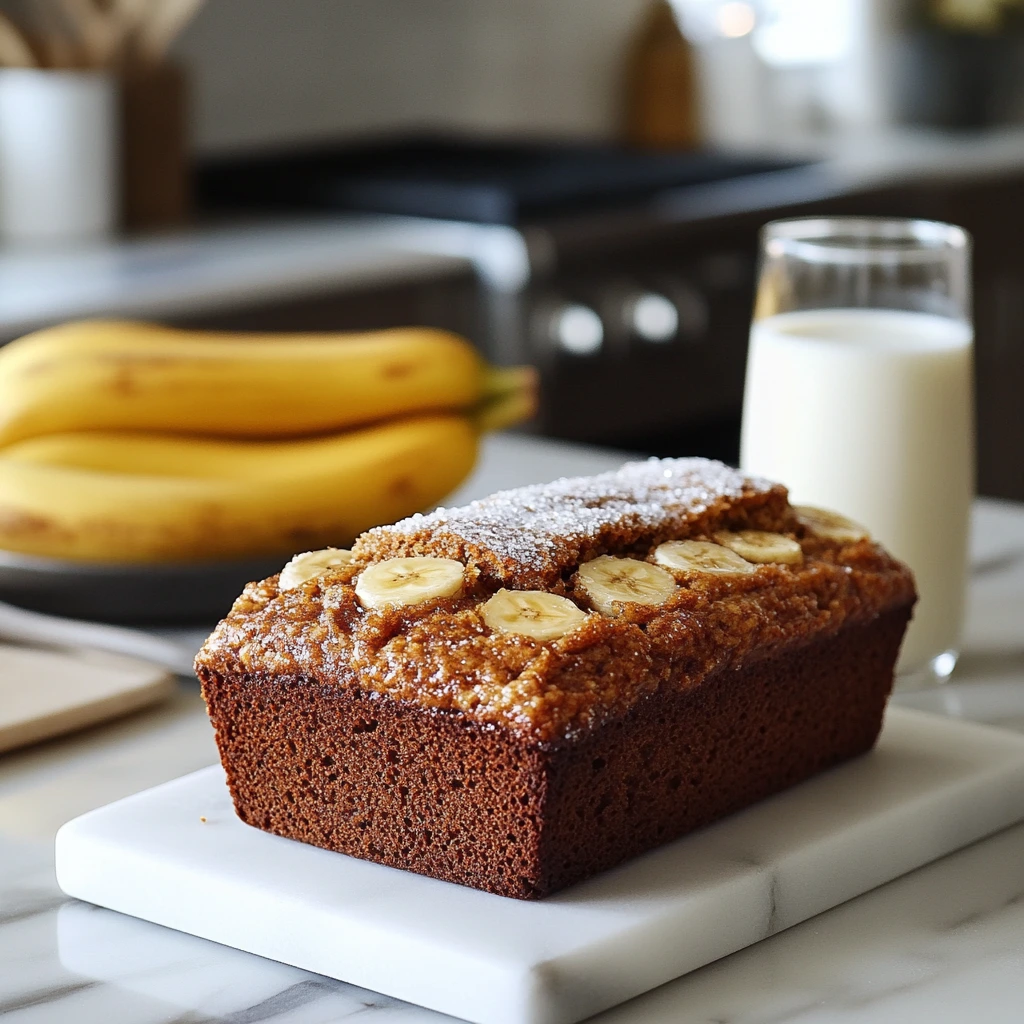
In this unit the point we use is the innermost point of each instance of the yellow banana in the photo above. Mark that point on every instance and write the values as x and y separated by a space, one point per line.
176 455
115 375
119 498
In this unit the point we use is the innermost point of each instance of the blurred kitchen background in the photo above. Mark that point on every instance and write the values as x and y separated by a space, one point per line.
573 183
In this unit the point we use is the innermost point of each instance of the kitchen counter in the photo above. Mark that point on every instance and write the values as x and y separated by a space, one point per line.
943 944
207 269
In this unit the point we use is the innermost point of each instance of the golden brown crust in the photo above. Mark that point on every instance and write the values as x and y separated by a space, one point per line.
441 656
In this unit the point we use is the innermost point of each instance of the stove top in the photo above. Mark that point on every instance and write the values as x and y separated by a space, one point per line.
490 182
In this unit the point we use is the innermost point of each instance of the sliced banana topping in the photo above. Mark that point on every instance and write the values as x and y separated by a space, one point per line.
761 546
830 525
611 581
404 581
311 563
701 556
533 613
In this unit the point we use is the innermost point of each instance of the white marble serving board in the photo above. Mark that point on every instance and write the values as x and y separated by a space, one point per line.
178 856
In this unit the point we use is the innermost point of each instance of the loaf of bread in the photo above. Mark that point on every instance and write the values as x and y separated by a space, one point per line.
523 692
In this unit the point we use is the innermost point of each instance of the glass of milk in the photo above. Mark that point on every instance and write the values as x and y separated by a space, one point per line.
859 397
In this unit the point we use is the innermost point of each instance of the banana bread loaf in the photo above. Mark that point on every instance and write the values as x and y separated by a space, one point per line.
520 693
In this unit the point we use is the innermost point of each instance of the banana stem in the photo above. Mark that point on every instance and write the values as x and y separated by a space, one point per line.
500 380
510 395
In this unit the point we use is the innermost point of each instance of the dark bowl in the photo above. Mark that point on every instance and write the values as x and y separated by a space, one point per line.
149 593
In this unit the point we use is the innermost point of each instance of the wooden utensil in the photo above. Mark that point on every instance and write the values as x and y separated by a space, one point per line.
163 25
56 47
96 33
127 18
14 50
661 84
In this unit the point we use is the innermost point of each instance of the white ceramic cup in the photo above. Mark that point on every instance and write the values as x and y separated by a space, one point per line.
58 155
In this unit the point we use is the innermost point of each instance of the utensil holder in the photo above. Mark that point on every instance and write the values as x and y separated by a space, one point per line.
58 155
155 177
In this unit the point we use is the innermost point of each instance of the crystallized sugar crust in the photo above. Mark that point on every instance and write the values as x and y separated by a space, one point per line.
526 537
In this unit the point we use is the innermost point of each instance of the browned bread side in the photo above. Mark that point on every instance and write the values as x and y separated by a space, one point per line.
444 796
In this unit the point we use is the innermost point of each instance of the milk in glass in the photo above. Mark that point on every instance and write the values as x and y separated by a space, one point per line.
869 412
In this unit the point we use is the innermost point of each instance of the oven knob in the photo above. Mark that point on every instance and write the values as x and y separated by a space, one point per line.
576 329
652 317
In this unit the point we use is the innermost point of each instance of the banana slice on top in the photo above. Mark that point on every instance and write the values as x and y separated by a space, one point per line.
701 556
533 613
311 563
761 546
610 581
830 525
404 581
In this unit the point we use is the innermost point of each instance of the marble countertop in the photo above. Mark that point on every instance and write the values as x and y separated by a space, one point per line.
943 944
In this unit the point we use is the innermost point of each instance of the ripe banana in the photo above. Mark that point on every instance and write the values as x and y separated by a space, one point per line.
310 564
218 499
396 582
761 546
610 581
701 556
135 376
532 613
170 455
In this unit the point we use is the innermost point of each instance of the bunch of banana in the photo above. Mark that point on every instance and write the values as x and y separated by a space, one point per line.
129 442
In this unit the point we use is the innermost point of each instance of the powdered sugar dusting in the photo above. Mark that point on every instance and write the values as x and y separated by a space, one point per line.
527 533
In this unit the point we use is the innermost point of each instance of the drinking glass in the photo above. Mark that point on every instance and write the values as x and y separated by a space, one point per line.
859 397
